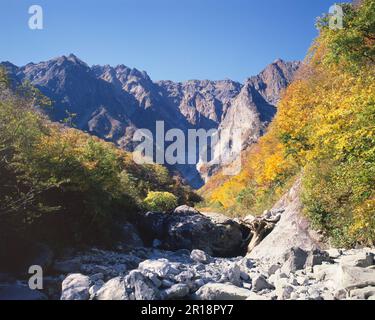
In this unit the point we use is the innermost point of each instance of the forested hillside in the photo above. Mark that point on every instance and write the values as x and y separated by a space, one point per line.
62 186
324 131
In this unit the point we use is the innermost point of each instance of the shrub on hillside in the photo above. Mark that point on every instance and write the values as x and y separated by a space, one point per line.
160 201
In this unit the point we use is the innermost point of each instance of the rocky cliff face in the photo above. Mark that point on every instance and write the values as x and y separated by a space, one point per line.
112 102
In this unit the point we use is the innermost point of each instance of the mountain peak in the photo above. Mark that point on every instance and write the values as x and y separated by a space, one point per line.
112 101
279 60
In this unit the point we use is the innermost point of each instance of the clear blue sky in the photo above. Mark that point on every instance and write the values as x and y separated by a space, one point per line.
170 39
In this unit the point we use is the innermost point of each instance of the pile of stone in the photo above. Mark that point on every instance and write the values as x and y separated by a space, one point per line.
301 275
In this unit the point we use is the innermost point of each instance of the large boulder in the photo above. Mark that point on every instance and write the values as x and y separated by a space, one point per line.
355 277
144 288
260 283
76 287
200 256
360 259
160 267
114 289
186 228
295 260
292 230
317 257
222 291
363 293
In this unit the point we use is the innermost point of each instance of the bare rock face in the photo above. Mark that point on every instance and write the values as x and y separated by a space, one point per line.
112 102
293 230
203 103
274 79
189 229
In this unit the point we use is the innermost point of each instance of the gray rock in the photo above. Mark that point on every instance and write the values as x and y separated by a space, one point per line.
247 263
155 280
363 293
314 294
76 287
362 259
273 268
328 295
232 274
280 283
167 283
199 283
185 277
143 287
189 229
293 230
284 292
254 296
222 291
302 280
334 253
294 296
326 272
114 289
296 259
355 277
184 209
259 283
95 288
177 291
244 276
341 294
293 281
200 256
247 285
316 257
161 267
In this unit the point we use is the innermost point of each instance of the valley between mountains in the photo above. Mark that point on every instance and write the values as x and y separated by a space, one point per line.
112 102
296 223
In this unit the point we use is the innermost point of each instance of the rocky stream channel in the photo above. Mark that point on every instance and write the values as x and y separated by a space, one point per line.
204 257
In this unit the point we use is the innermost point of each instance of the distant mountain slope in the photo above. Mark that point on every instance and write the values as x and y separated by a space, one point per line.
112 102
